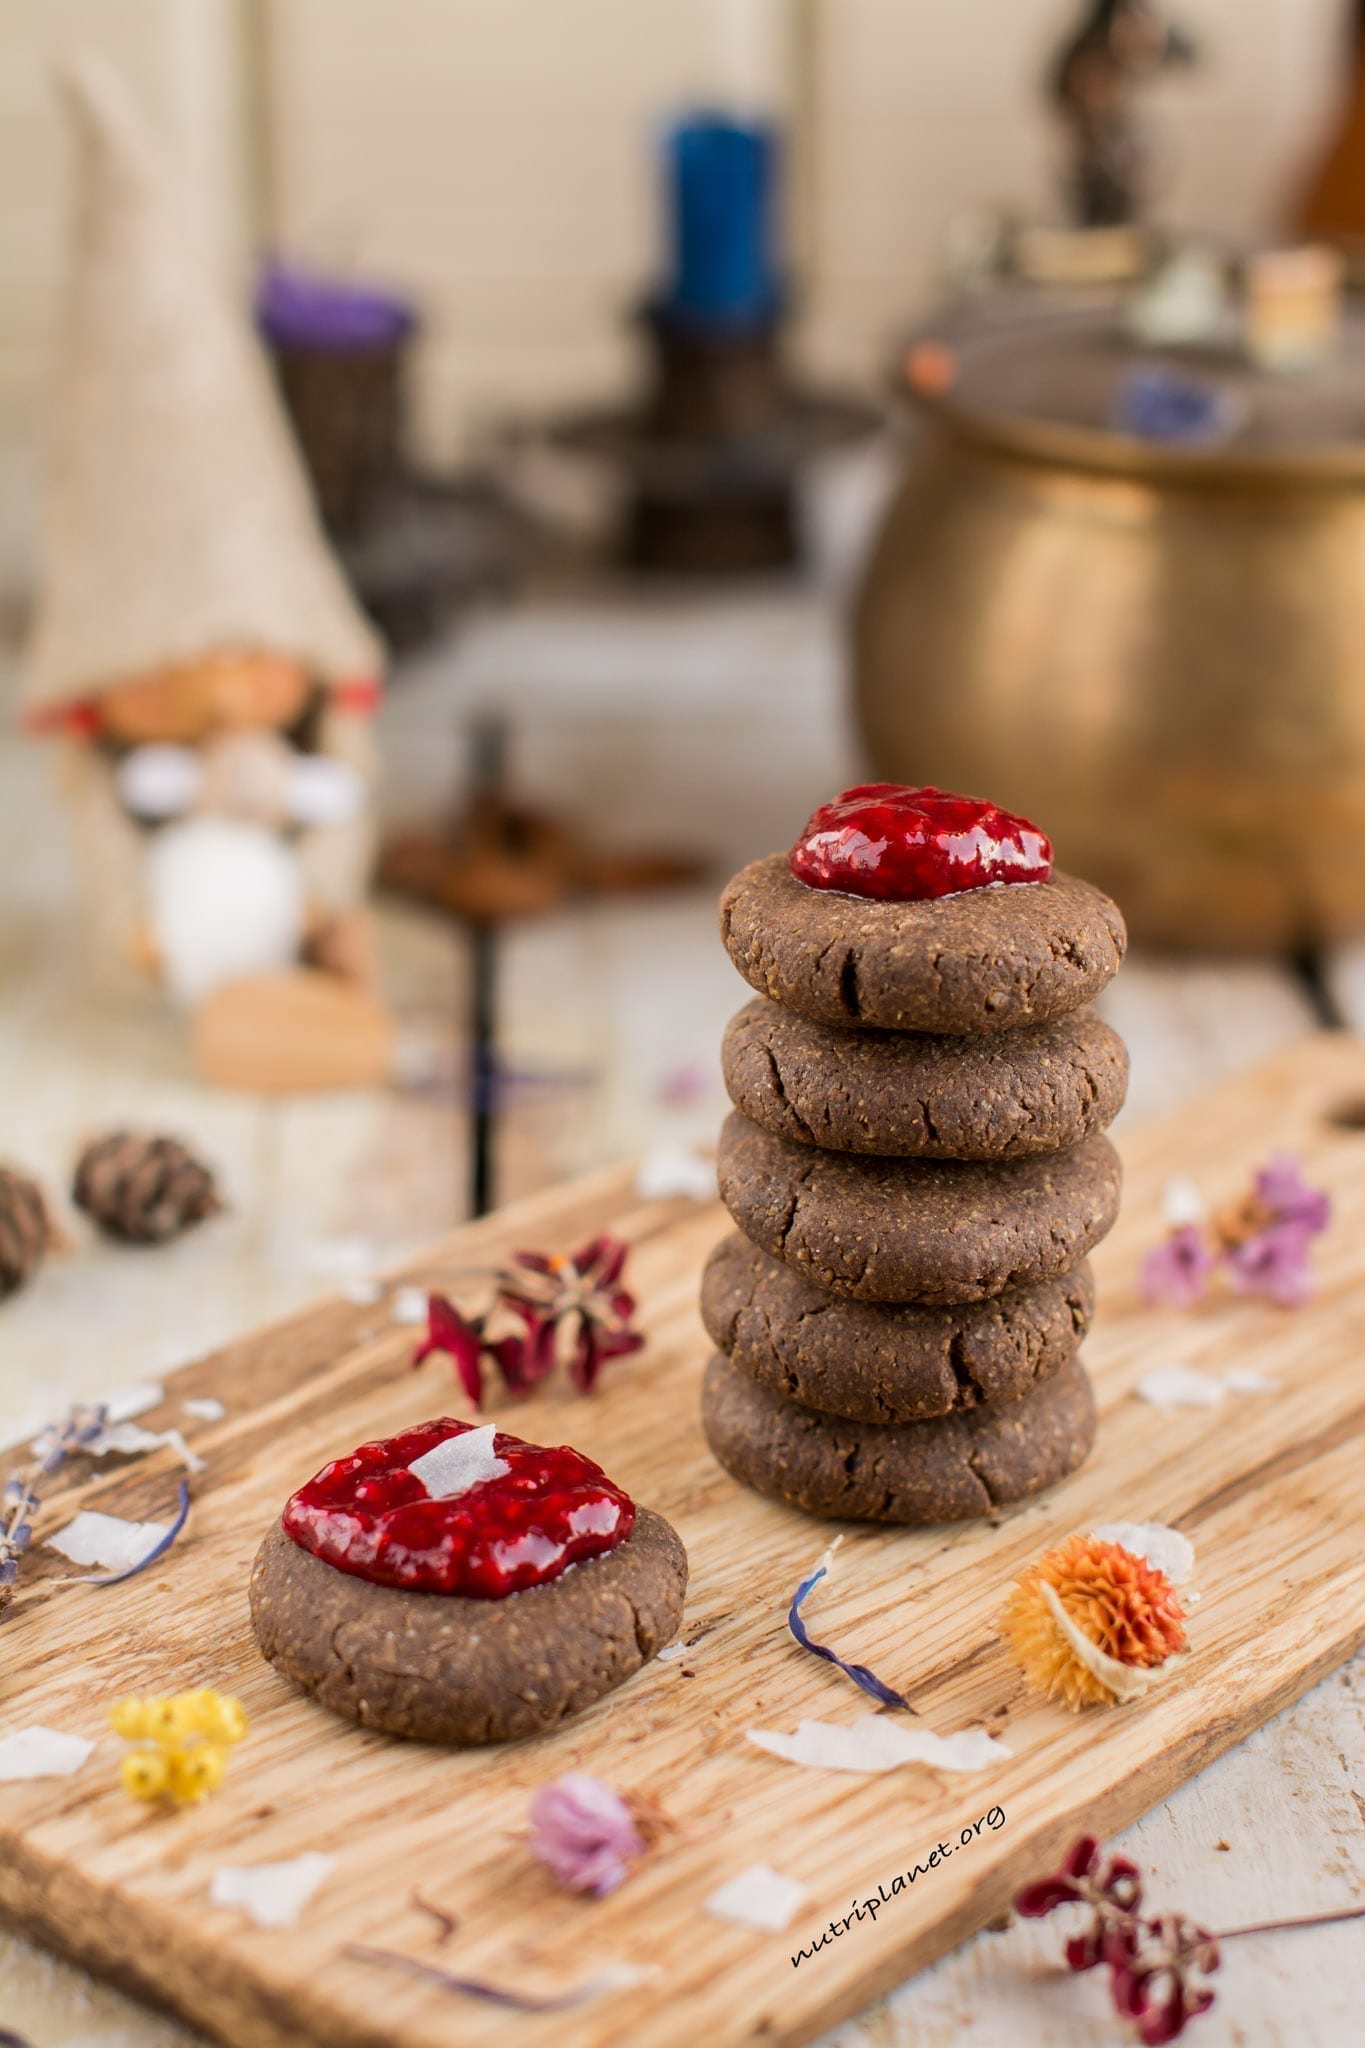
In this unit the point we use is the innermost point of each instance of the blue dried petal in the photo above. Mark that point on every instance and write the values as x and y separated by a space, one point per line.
859 1673
159 1550
476 1987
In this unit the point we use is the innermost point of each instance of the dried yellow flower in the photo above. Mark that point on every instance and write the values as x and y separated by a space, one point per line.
1092 1623
187 1738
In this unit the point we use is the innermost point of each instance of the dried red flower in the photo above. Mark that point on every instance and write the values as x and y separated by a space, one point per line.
580 1291
1158 1988
1154 1964
549 1293
1157 1962
462 1341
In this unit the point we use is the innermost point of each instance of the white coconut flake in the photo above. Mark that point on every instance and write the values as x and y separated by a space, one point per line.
1126 1682
39 1752
364 1293
205 1409
343 1258
107 1540
1184 1386
1179 1386
1244 1379
409 1305
459 1462
272 1894
670 1653
125 1404
670 1170
877 1742
1165 1549
1181 1203
129 1440
759 1897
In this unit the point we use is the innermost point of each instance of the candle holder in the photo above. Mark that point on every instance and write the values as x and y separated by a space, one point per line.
711 457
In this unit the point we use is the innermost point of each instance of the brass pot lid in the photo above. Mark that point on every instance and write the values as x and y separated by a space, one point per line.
1042 385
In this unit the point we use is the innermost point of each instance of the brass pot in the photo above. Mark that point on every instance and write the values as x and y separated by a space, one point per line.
1156 653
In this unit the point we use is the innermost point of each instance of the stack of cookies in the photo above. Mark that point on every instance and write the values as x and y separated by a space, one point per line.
917 1166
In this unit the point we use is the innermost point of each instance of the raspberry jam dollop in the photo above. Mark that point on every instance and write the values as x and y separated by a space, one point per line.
907 845
371 1516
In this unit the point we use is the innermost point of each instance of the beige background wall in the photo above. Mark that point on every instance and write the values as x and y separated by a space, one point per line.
493 155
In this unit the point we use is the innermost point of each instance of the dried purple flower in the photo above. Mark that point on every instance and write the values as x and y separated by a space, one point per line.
1261 1242
584 1833
1274 1263
1287 1195
1176 1273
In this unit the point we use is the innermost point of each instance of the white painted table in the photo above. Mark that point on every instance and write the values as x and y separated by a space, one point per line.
628 993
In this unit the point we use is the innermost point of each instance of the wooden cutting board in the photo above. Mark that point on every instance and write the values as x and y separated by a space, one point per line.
1267 1485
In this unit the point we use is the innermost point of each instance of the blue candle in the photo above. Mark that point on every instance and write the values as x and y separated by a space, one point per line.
721 191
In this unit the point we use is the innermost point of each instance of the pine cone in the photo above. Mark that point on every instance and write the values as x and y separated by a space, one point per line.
143 1190
25 1228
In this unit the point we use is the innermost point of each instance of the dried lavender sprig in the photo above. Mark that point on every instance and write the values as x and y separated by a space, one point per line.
19 1502
82 1425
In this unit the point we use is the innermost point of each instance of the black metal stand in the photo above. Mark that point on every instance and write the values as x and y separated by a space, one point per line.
488 760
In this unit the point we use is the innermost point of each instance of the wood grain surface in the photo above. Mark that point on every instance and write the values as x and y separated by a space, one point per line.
1267 1486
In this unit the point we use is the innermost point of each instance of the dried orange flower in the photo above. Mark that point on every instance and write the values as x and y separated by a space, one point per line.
1092 1623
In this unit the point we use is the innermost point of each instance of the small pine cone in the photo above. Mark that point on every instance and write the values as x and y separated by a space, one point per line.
143 1190
25 1228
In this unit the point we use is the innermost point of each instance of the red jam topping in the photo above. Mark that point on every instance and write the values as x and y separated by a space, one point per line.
884 840
372 1516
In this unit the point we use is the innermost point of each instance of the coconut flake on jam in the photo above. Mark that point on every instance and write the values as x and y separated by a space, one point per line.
495 1519
907 845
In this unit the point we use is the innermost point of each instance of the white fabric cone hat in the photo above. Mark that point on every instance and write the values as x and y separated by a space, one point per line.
177 520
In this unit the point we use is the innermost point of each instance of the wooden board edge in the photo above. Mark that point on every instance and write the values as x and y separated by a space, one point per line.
211 1991
1041 1849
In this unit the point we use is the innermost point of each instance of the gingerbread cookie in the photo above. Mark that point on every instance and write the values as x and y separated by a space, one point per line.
927 1230
457 1585
987 959
998 1096
916 1472
877 1362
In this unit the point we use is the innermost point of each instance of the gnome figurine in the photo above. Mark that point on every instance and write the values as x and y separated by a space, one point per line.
194 646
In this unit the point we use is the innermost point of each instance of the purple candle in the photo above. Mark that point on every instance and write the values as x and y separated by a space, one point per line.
298 309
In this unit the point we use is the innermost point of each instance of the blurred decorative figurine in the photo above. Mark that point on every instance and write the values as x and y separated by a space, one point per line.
1117 44
195 645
